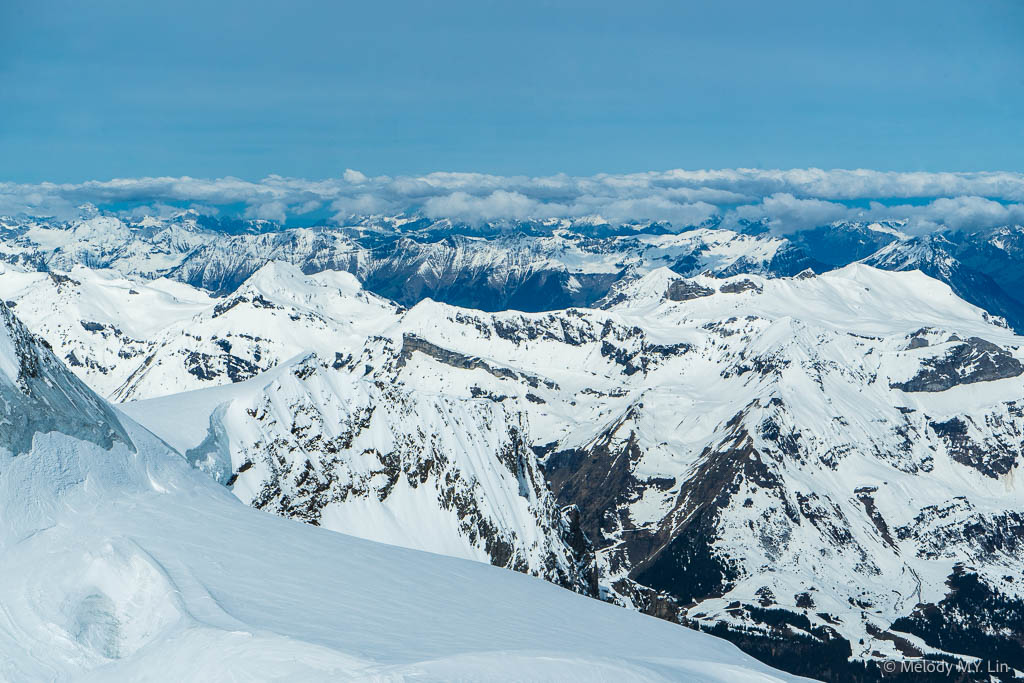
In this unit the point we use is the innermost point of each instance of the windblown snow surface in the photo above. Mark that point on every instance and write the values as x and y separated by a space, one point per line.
119 561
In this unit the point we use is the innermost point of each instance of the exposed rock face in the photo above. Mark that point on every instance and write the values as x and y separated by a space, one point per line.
738 286
323 445
684 290
682 561
412 343
973 360
596 476
953 526
38 394
993 456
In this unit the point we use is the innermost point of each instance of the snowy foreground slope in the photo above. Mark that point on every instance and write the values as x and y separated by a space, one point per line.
118 561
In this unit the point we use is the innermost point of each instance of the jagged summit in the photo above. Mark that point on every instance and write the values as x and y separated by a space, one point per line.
922 252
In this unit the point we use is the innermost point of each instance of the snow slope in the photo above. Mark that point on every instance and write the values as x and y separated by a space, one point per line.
118 561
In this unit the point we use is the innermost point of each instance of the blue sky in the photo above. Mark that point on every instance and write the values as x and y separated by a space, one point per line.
102 89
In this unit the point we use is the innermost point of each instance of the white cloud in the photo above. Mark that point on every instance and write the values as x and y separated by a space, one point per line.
500 204
308 207
785 213
652 209
363 205
353 177
958 213
787 199
270 211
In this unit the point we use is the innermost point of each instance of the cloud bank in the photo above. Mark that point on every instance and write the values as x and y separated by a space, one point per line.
783 200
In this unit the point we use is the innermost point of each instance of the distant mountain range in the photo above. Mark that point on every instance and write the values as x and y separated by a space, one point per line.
528 266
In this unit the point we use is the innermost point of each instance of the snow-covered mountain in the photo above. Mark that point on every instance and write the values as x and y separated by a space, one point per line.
310 439
520 271
998 253
821 468
132 339
841 243
775 456
118 561
101 324
821 461
531 266
223 264
771 458
537 267
937 255
317 441
146 247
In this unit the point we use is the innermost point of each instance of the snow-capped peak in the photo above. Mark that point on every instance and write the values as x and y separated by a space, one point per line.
856 298
280 280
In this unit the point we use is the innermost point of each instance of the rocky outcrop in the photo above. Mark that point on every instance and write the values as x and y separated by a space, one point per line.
968 361
39 395
685 290
739 286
